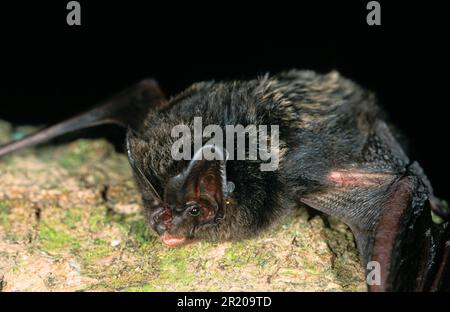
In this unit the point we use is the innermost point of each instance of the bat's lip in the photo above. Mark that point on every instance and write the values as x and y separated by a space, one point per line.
172 241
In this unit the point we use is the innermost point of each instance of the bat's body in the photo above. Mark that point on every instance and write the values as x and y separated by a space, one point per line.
336 155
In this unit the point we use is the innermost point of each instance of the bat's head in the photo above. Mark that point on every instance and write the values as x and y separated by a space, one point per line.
192 201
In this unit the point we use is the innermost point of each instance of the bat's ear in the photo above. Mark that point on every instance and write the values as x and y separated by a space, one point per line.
205 182
149 193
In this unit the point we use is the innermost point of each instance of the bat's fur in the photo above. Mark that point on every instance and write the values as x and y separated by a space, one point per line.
326 121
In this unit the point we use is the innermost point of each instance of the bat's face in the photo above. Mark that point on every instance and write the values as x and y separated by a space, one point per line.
192 202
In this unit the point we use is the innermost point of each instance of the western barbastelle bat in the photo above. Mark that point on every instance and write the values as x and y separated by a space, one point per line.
336 155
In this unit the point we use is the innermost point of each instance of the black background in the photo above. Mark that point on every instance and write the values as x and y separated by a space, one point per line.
50 71
367 302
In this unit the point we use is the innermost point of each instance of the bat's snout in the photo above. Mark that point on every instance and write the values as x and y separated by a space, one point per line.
160 219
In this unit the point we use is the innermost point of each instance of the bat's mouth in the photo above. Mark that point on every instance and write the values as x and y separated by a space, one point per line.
172 241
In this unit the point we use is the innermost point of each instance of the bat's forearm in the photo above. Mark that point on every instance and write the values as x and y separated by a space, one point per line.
126 109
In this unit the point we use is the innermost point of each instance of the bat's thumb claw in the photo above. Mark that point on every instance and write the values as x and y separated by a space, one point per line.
439 208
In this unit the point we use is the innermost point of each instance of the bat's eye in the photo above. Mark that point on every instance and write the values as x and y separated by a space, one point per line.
194 210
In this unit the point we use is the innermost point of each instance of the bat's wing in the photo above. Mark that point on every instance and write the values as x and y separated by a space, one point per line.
388 204
127 109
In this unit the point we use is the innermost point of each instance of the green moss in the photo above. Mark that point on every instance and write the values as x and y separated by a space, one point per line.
289 272
76 154
75 157
237 254
97 220
72 218
56 240
4 212
98 250
311 267
4 207
264 257
127 278
144 288
94 287
174 267
140 232
174 259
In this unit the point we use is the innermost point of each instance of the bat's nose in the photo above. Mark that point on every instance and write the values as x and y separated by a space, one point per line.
160 220
160 228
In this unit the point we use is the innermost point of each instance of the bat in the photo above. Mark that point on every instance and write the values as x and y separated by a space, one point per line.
336 155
